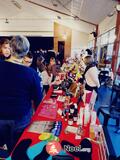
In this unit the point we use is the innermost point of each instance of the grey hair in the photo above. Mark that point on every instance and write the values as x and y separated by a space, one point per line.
20 46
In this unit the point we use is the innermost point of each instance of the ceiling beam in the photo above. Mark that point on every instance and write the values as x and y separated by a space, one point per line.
26 31
63 13
67 2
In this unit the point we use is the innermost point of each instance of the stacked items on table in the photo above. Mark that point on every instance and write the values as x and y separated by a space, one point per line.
73 68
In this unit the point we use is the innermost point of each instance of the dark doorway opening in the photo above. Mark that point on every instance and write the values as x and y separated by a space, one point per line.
61 50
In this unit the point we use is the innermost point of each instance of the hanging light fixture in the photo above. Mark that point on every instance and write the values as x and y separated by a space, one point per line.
59 17
6 21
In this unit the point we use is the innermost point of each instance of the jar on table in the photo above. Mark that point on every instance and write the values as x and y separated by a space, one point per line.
70 121
75 117
72 109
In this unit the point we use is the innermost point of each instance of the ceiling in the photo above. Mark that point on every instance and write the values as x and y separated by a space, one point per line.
73 13
93 11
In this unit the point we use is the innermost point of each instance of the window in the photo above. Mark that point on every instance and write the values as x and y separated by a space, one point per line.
112 36
118 59
91 44
110 49
98 41
104 38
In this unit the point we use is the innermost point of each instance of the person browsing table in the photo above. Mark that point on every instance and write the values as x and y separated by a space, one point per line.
19 86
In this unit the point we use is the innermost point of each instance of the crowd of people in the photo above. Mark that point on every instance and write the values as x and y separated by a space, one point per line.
26 78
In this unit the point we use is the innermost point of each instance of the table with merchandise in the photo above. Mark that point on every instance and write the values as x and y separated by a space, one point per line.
62 129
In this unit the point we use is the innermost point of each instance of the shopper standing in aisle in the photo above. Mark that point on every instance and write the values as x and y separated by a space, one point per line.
46 78
91 73
53 68
19 87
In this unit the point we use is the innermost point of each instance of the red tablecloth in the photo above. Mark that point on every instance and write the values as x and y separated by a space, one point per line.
70 137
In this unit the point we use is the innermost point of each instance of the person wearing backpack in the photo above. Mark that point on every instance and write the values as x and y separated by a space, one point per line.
90 75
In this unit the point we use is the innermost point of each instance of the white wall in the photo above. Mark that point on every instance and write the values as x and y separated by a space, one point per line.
77 25
79 42
39 27
107 24
27 27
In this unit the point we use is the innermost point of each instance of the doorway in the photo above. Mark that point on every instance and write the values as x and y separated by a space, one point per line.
61 50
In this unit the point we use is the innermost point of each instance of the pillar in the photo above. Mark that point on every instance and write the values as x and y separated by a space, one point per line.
116 43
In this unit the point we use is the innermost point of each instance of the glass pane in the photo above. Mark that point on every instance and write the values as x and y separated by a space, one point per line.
103 55
91 44
118 59
112 36
104 38
98 41
109 54
110 50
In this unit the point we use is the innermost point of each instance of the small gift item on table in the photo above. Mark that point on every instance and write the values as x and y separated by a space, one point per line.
71 129
75 116
92 132
58 91
57 81
58 123
93 117
57 128
80 117
44 136
61 98
79 132
75 111
77 136
54 95
56 87
59 111
64 114
70 121
66 118
86 115
72 108
67 101
50 101
75 106
98 130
